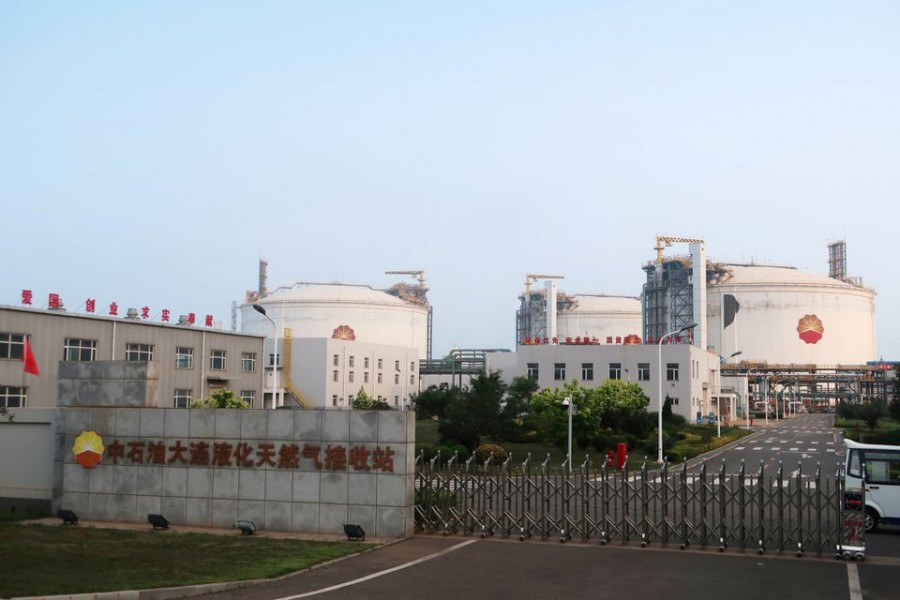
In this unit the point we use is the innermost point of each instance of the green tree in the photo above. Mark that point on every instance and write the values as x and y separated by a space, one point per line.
364 401
223 398
870 412
476 411
433 401
894 406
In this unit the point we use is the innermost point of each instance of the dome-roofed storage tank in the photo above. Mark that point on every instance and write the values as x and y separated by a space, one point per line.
786 316
610 319
327 310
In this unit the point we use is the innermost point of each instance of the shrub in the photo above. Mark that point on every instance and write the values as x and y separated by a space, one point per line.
601 442
483 452
674 455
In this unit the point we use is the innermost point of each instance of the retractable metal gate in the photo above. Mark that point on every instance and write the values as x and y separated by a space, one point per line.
799 511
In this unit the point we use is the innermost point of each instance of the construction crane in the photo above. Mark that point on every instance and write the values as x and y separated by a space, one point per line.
419 274
664 241
532 277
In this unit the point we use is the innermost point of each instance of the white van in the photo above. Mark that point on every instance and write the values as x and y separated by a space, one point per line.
882 480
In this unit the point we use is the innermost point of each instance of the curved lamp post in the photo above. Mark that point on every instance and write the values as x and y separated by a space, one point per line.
659 457
262 311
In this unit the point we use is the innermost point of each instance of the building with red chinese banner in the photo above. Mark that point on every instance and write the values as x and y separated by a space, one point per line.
189 361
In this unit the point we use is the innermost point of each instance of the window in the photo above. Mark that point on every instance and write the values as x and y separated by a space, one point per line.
335 375
217 360
184 358
139 352
396 365
587 371
350 376
397 378
248 362
274 360
412 366
350 363
396 400
366 362
335 360
334 400
12 345
559 371
643 371
77 350
671 371
248 396
412 379
882 466
531 370
366 377
183 398
380 378
380 363
13 397
615 370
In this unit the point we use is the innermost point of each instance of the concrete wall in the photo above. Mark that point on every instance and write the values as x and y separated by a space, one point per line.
306 471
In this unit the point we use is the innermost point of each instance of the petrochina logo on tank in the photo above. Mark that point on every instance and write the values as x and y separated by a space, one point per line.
810 329
88 449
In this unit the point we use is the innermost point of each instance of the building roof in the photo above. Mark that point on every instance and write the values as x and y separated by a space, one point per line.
332 292
778 275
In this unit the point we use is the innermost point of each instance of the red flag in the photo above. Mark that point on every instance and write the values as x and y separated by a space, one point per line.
31 365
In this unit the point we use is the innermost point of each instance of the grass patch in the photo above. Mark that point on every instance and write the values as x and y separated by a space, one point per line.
51 559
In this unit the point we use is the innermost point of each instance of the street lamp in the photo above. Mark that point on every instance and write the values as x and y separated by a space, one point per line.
570 408
659 344
722 359
262 311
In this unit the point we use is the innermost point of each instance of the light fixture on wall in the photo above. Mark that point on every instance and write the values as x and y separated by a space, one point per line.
246 527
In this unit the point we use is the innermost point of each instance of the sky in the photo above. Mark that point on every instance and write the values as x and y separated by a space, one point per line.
153 152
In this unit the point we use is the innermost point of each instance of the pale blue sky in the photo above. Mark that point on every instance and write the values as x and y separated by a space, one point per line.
152 152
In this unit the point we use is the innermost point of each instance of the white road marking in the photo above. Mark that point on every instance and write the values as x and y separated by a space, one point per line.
379 573
776 448
794 449
853 581
758 448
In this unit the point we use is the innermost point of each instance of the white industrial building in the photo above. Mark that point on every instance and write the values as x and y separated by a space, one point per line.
331 340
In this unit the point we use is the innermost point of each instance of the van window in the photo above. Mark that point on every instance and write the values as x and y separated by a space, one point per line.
853 468
882 467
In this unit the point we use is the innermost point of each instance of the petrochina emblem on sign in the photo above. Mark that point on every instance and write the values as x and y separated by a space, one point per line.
810 329
88 449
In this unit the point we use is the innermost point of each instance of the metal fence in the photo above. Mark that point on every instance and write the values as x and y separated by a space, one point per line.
801 511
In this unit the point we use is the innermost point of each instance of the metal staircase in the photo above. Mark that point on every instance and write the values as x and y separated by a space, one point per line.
287 383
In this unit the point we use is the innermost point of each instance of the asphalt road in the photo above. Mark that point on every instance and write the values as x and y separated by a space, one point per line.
448 568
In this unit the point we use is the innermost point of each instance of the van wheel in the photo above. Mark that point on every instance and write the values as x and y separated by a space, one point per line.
871 520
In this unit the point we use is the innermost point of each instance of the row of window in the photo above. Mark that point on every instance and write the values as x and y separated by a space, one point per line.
17 397
351 377
183 397
351 362
615 371
84 350
335 399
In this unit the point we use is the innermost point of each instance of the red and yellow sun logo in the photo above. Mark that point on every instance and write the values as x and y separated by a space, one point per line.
88 449
810 329
343 332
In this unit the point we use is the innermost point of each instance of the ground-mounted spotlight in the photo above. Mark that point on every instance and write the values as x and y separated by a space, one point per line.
68 517
354 532
246 527
158 521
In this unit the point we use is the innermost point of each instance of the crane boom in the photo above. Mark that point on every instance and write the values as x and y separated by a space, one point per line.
664 241
532 277
418 273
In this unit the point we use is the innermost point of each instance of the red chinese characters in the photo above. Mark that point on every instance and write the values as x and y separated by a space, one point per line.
333 457
27 295
90 305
